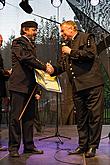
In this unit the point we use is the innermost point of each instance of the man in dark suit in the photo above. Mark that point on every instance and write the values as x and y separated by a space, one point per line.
80 60
3 74
21 84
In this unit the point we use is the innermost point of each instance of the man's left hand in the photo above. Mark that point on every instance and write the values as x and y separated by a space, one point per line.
49 68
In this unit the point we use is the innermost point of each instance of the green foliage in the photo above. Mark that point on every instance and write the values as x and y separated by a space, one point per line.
47 30
106 81
6 53
106 92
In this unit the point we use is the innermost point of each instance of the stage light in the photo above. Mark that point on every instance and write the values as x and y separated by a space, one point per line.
56 3
25 6
2 4
94 2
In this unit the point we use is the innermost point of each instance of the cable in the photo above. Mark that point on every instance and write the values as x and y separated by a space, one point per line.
108 136
66 149
12 5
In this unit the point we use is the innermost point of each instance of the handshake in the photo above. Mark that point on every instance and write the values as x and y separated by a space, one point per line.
49 68
7 72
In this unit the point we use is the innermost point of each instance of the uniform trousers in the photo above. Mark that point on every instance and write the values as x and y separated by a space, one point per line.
25 126
89 104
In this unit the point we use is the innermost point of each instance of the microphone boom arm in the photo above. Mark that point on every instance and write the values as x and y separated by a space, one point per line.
45 18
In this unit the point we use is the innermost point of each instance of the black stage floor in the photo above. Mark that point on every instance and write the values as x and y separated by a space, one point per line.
56 153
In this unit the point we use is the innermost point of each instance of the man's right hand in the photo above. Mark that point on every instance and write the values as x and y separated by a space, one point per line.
10 71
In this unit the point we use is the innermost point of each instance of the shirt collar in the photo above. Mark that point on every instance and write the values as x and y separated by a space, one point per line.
74 36
27 38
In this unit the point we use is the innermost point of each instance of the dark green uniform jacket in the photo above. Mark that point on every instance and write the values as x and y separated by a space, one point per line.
82 64
24 62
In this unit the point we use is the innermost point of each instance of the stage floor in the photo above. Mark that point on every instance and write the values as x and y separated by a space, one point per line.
56 153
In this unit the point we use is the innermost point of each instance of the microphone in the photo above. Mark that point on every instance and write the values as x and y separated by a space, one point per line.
65 43
26 7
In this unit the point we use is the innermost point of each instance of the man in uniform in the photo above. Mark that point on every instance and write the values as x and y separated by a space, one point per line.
80 60
21 84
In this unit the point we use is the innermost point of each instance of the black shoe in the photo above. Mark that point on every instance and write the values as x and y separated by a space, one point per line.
33 151
3 148
90 153
78 150
14 154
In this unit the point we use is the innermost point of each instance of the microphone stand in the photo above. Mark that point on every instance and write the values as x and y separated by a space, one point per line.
45 18
57 134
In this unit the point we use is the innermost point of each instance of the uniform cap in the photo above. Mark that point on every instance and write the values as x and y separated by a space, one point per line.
29 24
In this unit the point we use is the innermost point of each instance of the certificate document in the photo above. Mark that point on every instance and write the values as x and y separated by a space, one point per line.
47 82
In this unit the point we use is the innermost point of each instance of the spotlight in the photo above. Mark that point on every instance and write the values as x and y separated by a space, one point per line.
95 2
56 3
25 6
2 4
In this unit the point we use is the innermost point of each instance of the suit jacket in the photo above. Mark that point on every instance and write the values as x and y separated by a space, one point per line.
24 62
82 64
